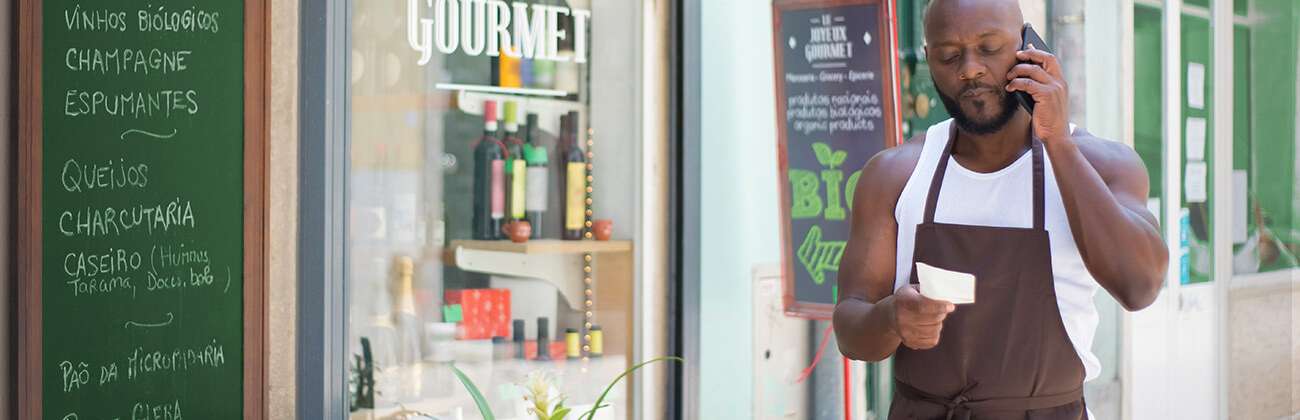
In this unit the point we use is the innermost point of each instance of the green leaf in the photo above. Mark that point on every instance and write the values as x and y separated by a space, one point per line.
559 414
592 413
481 402
838 158
823 153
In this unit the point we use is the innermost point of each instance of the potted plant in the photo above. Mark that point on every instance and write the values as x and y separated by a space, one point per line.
548 405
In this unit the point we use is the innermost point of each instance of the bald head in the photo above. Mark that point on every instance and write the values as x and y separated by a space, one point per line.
951 14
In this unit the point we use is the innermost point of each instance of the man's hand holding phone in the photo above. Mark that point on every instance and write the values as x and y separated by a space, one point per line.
1039 75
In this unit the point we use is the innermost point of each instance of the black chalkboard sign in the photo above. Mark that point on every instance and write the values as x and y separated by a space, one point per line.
835 73
142 152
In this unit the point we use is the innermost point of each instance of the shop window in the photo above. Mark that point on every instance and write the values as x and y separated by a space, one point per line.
1197 217
472 243
1266 226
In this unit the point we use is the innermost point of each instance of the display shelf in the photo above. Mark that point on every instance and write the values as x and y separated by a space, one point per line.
553 261
545 246
507 90
548 110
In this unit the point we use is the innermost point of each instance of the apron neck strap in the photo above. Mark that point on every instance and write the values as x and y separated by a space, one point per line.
1036 148
932 199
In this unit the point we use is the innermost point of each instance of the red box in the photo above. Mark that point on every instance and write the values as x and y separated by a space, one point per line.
486 312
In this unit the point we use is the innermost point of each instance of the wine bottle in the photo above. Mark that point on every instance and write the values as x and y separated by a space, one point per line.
575 178
535 188
489 178
515 164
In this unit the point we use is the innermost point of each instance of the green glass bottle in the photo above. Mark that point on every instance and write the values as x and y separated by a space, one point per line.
516 175
536 188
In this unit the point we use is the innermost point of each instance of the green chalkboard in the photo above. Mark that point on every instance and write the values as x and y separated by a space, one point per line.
142 209
836 108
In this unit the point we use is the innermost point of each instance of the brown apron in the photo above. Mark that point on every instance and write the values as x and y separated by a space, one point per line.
1006 356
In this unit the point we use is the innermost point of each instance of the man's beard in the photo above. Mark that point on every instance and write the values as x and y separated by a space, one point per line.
970 125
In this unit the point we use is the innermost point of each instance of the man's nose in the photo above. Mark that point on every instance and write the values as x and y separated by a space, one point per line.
971 69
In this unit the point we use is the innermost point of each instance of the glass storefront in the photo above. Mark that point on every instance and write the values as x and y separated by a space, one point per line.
1225 310
476 240
1264 142
1266 228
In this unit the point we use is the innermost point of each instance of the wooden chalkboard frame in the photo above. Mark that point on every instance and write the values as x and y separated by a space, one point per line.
888 24
256 135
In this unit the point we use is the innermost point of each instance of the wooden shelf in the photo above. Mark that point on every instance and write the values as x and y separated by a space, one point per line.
545 246
554 261
548 110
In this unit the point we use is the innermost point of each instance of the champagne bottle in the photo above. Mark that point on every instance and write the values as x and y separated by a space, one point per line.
537 176
575 178
489 178
515 164
405 323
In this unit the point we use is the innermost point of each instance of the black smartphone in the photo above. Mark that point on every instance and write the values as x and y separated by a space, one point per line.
1029 37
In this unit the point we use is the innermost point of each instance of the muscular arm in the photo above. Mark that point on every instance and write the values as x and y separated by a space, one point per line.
1104 186
864 316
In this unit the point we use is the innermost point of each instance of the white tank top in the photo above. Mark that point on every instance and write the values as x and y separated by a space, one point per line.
1002 199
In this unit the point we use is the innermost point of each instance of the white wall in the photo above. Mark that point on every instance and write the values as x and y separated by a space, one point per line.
1035 12
739 204
282 214
1104 28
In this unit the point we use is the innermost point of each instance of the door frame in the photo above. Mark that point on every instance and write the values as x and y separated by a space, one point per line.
1222 21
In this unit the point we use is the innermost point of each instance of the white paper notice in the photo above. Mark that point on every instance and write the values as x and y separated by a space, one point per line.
1240 208
1194 182
940 284
1195 138
1196 85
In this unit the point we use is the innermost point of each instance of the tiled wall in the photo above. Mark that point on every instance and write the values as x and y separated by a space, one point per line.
1264 354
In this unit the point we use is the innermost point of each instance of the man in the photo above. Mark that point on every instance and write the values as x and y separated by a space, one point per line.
1040 212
